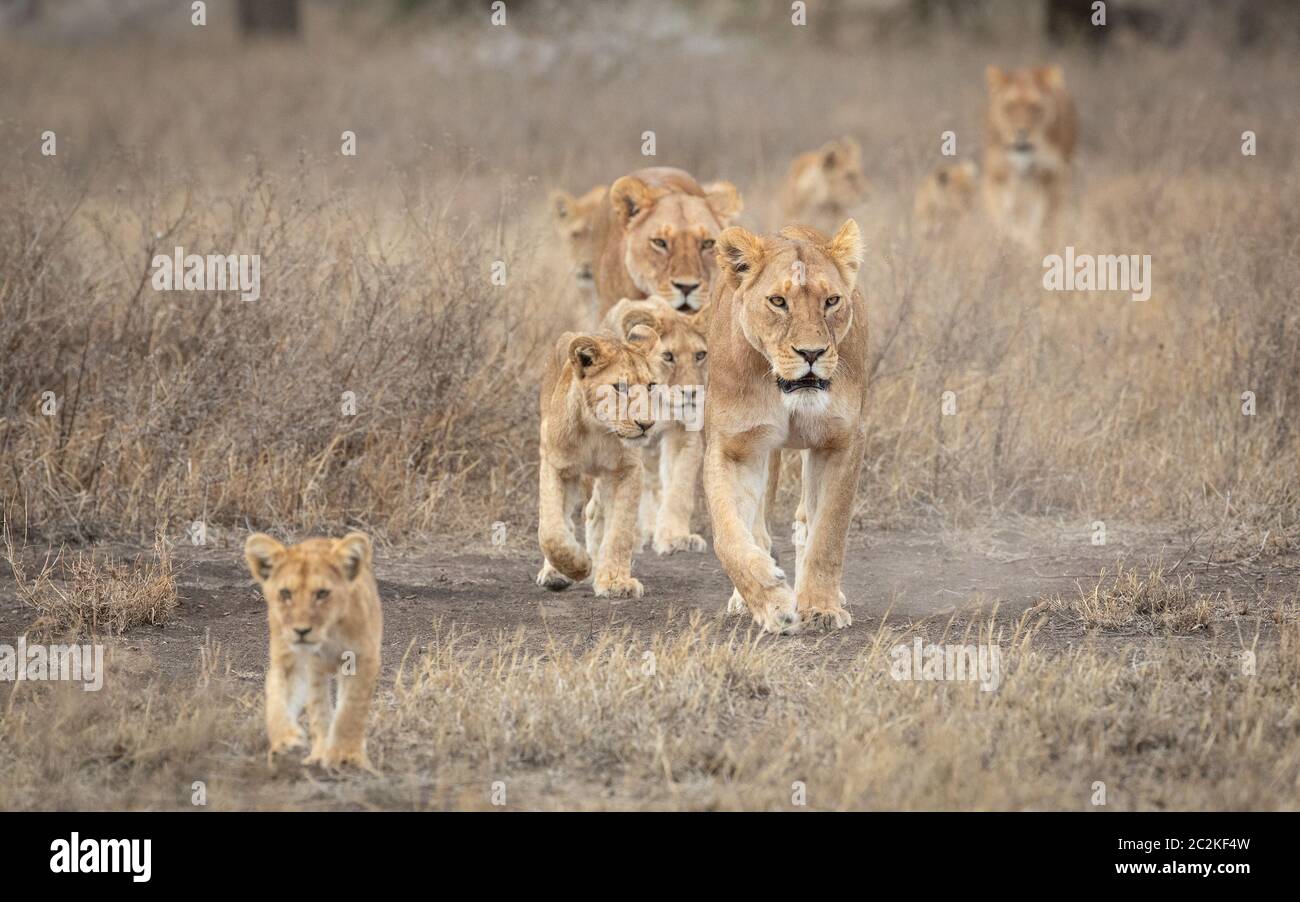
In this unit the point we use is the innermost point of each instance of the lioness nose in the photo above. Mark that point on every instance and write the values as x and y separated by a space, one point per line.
645 425
686 287
810 354
302 631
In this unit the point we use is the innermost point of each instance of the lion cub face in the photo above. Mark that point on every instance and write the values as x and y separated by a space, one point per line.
947 194
308 587
669 236
827 179
1024 106
793 293
682 348
575 221
621 382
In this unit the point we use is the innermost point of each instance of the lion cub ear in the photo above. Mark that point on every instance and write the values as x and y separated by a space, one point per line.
724 200
353 553
630 197
643 338
588 352
846 249
739 252
1051 77
262 552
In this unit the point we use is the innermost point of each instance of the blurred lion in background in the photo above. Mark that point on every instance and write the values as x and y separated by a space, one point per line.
1030 132
946 197
824 186
580 223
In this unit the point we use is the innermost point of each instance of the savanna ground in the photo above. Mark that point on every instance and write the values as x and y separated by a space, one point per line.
1163 663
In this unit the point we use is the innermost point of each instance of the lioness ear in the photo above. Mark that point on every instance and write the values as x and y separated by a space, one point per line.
353 553
701 318
629 197
846 248
995 77
261 552
1051 76
586 352
724 200
562 203
643 338
739 251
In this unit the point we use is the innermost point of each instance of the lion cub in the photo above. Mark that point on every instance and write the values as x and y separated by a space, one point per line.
945 197
1029 139
597 414
673 464
325 619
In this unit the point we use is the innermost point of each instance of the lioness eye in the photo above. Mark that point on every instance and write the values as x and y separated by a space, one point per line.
832 300
285 595
706 244
777 301
659 242
322 594
700 355
668 356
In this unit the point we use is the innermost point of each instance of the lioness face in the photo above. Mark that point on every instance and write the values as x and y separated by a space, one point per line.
669 238
794 293
307 586
1022 108
622 383
575 222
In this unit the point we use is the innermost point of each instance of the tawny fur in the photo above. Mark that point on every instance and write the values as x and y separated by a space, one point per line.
1030 131
325 623
824 186
753 340
659 237
580 223
584 443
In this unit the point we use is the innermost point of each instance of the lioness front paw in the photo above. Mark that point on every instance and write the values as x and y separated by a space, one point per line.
736 603
339 756
824 610
780 614
618 587
667 543
285 740
550 578
764 571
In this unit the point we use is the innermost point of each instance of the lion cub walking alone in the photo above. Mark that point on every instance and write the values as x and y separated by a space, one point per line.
597 415
788 350
325 619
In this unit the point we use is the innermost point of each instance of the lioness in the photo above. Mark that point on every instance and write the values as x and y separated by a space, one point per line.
666 513
596 417
325 619
1029 138
946 196
660 237
824 186
580 222
788 356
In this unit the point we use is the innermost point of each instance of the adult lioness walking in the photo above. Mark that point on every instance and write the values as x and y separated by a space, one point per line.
660 236
788 368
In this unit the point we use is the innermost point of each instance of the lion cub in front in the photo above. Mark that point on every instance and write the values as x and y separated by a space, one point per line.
325 619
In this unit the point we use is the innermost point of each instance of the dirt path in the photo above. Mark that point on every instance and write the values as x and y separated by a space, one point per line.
905 575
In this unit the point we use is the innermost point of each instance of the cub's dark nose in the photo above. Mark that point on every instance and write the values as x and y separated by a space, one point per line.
686 287
302 631
810 354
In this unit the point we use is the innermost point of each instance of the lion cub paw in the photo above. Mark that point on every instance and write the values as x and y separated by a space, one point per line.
669 544
618 587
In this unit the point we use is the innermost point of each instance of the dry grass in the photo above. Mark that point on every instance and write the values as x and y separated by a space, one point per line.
696 718
175 407
90 595
1147 601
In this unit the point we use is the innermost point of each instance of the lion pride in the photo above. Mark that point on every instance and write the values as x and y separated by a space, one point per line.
788 369
1030 131
660 237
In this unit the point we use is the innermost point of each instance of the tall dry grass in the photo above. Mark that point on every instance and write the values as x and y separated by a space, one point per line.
175 408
